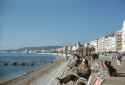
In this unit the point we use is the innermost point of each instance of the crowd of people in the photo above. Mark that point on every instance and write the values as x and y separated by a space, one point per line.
86 71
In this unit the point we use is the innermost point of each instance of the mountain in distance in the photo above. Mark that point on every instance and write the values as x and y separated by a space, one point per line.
46 48
40 48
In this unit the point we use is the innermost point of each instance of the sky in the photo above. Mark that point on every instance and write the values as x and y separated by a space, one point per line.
26 23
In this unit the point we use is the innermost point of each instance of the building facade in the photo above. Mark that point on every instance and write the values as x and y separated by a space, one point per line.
108 43
123 37
119 44
112 42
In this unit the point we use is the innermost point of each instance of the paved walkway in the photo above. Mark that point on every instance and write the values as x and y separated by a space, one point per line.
49 79
120 80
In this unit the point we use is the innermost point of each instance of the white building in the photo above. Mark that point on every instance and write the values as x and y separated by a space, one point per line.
118 36
123 36
110 44
105 44
100 44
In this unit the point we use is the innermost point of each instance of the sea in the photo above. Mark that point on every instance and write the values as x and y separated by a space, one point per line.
13 65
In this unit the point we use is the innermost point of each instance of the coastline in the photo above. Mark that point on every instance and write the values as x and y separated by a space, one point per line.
28 78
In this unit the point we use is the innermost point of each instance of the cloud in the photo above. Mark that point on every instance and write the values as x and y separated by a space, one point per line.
123 28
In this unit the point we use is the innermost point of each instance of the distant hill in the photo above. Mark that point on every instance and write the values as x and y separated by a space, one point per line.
40 48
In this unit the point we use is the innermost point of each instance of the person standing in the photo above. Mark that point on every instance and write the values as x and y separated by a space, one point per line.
118 59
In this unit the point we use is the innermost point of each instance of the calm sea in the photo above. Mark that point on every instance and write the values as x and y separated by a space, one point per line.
16 64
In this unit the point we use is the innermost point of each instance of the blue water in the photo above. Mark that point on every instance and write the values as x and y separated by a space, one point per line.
10 71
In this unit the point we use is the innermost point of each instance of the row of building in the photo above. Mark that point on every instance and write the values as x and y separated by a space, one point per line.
113 42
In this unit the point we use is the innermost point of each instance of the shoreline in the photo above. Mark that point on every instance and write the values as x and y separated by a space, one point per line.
27 78
59 58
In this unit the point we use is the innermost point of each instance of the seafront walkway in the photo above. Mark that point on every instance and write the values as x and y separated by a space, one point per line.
50 77
120 79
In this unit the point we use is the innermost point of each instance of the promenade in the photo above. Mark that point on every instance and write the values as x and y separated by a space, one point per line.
49 79
120 80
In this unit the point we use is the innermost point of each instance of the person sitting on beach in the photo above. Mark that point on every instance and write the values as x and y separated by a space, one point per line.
112 70
75 61
83 70
72 64
100 71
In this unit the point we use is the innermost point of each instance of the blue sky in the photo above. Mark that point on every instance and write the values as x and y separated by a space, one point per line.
57 22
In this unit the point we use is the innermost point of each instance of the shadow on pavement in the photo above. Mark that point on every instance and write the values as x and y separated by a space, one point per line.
121 75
